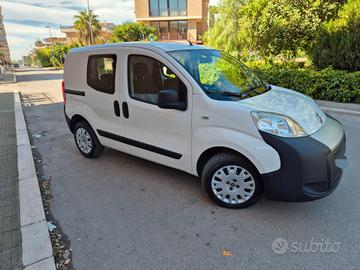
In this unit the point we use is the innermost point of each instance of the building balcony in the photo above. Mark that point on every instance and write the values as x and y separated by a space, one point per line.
172 36
168 12
178 36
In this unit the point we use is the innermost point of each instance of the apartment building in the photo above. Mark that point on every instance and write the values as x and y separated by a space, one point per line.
47 42
73 35
4 47
174 19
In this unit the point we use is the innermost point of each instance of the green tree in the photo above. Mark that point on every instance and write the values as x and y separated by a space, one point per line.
289 25
86 21
131 31
43 55
226 33
58 53
53 56
269 27
338 43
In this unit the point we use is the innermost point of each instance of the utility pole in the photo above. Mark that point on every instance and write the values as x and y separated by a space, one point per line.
90 27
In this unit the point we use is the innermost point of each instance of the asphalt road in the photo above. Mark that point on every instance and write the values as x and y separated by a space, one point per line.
122 212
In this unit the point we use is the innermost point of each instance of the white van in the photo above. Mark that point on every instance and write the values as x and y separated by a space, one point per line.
200 110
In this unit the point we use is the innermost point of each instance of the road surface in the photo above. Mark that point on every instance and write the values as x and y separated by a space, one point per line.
122 212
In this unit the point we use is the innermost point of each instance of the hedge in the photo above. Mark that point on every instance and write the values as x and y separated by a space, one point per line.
338 41
327 84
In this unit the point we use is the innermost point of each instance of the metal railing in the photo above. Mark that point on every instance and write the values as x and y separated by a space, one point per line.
165 12
172 36
178 36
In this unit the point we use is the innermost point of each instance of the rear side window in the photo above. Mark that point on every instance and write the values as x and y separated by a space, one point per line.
101 73
148 76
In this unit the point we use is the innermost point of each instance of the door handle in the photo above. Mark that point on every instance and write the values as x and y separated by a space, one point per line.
116 108
125 109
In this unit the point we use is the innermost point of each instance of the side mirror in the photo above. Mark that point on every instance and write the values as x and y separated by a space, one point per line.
169 99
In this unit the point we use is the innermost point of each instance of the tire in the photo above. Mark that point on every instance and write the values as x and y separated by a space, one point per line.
239 188
87 141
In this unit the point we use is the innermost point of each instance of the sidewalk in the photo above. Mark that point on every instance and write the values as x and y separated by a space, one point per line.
10 237
24 237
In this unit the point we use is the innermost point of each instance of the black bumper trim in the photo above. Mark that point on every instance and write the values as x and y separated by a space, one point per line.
308 170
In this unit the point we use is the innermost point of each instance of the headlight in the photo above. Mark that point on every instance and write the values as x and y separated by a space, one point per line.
277 124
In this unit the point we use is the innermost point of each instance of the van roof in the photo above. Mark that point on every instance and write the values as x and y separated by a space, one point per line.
165 46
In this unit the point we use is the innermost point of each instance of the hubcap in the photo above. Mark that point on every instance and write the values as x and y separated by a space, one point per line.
233 184
83 140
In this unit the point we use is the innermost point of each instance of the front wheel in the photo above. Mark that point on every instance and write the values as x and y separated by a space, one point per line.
231 181
86 140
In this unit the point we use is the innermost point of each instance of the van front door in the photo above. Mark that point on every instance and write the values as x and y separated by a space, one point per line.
161 135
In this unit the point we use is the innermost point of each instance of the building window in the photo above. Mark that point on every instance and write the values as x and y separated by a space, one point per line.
163 8
171 30
177 7
101 73
148 76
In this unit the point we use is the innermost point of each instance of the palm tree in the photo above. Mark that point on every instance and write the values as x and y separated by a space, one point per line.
85 21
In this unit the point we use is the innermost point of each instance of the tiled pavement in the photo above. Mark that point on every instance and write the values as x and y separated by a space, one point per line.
10 238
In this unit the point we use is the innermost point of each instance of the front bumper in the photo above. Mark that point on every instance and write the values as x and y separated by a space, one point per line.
309 169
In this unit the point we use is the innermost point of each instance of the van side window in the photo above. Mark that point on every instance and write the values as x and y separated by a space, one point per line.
101 73
148 76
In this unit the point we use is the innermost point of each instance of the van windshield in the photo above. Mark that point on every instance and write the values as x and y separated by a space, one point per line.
220 75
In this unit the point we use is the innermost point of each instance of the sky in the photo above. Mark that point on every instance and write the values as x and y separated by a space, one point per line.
26 20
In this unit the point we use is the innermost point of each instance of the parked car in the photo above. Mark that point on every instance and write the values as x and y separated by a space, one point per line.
202 111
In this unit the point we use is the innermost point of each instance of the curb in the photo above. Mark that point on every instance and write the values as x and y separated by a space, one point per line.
37 251
341 108
340 111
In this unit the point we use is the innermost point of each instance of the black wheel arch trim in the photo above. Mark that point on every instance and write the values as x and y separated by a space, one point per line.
138 144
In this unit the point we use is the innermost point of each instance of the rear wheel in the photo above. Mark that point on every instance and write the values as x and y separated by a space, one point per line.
86 140
231 181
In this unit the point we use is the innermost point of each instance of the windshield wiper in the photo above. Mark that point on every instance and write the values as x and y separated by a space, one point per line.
226 93
240 95
254 88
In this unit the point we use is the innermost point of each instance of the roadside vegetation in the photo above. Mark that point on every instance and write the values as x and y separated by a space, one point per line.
53 56
131 31
309 46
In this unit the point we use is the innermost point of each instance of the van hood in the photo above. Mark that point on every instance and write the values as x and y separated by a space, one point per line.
293 104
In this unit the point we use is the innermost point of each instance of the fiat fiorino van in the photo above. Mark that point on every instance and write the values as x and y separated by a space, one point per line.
200 110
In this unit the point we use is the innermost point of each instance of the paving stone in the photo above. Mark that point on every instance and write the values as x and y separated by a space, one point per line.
47 264
36 245
25 166
10 237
